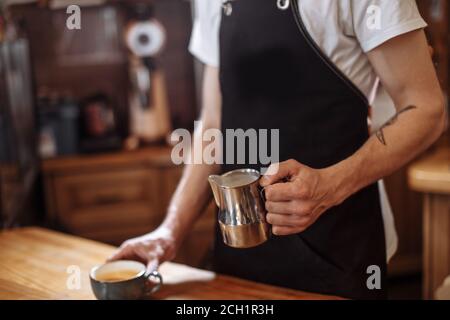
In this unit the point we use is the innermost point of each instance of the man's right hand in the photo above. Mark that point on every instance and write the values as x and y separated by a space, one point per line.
151 249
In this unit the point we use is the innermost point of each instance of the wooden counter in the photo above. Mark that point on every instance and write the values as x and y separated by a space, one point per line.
35 264
431 176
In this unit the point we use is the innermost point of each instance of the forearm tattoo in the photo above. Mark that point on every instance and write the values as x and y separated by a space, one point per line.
380 133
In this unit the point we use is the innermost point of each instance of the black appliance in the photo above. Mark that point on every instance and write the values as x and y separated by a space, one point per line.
18 157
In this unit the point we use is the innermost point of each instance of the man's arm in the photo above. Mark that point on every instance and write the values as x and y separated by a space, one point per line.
191 197
193 191
407 72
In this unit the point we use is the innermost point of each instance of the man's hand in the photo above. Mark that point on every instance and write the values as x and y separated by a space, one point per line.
297 195
151 249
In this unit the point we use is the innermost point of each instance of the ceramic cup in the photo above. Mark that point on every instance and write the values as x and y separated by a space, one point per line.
141 284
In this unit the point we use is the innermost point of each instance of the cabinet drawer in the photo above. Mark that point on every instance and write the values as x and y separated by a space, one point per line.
93 191
110 197
112 217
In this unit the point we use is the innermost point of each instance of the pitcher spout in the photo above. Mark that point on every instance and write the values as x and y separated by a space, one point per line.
214 181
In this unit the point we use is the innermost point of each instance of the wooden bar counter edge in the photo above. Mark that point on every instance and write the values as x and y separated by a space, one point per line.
40 264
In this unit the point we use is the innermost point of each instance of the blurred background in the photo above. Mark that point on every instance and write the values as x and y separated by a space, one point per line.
85 115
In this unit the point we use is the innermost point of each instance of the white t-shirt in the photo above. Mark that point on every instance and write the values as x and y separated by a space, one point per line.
345 30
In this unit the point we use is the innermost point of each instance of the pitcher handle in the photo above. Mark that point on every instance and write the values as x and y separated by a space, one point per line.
262 193
262 190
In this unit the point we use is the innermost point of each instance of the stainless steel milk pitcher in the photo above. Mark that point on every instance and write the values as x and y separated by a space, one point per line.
242 213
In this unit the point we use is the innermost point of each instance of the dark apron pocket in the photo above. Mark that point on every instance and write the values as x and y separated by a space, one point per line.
317 272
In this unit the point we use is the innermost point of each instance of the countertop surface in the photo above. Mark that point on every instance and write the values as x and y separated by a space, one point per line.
431 174
41 264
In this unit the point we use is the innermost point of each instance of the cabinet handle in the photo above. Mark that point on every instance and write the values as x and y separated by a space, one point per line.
108 199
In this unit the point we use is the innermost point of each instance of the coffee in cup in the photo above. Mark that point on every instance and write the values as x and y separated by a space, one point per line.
116 276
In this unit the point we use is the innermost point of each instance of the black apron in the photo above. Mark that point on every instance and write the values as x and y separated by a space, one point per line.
273 76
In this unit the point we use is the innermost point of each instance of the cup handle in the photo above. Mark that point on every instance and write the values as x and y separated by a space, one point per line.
154 275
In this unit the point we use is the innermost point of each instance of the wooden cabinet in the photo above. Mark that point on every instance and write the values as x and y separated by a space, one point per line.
94 204
407 209
114 197
436 222
431 176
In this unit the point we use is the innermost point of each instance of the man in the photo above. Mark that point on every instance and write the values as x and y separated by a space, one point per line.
308 68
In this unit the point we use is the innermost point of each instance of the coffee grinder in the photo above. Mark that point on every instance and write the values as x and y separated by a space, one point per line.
149 112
